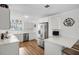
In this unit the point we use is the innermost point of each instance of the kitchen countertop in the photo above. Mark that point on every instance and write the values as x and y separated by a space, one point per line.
14 32
62 41
11 39
17 32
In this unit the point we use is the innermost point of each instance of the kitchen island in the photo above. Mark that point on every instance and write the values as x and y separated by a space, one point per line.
9 46
55 45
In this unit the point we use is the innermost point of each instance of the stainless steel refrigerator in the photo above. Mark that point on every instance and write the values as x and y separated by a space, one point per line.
43 33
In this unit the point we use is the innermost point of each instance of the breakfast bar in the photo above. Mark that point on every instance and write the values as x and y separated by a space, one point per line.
55 45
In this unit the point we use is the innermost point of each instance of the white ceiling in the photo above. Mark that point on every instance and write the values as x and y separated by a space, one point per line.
35 11
40 10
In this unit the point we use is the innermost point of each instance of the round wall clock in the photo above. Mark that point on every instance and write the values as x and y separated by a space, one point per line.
69 22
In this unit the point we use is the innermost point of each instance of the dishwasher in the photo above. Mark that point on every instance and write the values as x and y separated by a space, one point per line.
25 37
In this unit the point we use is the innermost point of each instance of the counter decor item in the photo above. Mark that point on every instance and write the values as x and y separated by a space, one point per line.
69 22
2 36
6 34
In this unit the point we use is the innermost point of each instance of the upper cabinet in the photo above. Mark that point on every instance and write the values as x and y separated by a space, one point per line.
54 22
43 19
4 18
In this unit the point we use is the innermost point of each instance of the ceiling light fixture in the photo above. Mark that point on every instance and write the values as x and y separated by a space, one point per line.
4 6
47 6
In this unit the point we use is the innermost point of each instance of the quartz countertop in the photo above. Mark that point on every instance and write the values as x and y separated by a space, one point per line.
14 32
11 39
62 41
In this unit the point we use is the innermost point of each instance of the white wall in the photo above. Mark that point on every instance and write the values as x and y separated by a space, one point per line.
65 31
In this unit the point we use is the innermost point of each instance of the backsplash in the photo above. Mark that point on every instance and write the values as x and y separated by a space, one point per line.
17 25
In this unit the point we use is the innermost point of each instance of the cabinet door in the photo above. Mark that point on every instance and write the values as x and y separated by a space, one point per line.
20 37
52 49
31 36
9 49
54 22
4 18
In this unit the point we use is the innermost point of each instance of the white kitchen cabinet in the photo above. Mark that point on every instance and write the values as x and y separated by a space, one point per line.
9 46
25 36
44 19
9 49
52 49
20 37
54 22
55 45
4 18
32 36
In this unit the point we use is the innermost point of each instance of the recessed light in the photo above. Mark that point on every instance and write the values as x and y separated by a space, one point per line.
26 16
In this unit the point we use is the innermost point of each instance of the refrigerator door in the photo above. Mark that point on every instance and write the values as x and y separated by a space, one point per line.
43 33
44 30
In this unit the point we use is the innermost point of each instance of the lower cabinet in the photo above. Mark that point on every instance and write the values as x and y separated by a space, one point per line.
25 36
52 49
20 37
9 49
32 36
